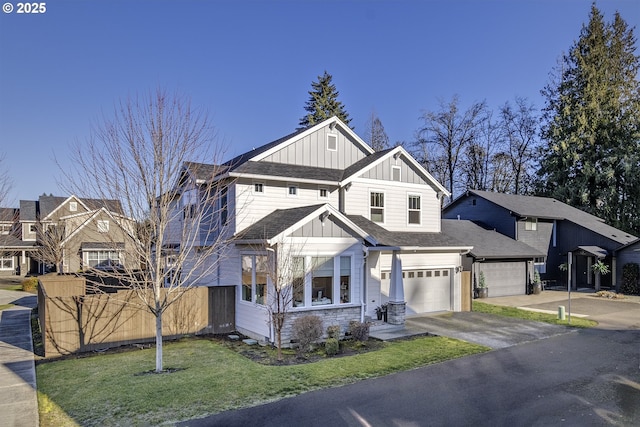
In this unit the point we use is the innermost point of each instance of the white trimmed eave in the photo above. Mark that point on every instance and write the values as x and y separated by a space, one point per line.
399 150
332 120
326 208
282 178
462 249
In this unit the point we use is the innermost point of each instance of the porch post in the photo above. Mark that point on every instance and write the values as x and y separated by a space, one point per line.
590 271
396 308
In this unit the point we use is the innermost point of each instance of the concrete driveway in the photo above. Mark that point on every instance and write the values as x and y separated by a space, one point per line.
486 329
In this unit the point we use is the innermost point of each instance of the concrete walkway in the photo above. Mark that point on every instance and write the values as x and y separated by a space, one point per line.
18 401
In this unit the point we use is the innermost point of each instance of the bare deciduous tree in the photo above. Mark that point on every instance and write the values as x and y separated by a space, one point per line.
5 182
157 155
520 129
445 135
50 237
286 275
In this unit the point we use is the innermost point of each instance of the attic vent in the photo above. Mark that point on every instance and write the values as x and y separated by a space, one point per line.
332 142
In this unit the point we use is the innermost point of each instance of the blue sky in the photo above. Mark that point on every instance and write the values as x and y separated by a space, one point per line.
251 64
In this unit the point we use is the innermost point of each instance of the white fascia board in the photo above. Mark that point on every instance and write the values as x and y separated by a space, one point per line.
282 178
400 150
331 211
308 132
63 203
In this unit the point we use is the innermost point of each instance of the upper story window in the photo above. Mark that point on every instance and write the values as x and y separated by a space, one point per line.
332 142
292 190
103 226
5 228
323 193
73 206
33 228
377 207
396 173
414 208
258 188
531 224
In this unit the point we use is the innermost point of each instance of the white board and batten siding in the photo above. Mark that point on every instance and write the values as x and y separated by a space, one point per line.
312 150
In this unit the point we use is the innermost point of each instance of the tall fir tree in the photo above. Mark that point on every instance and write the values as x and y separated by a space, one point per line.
323 103
591 125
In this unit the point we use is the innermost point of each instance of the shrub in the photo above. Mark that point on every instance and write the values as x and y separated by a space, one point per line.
307 330
333 331
359 331
30 284
630 276
332 346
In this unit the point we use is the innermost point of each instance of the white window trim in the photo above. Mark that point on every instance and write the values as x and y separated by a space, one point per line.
320 195
103 225
289 186
254 271
332 135
253 187
419 223
399 169
9 257
531 224
308 277
384 208
73 206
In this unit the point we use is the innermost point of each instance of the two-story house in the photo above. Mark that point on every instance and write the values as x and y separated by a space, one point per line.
551 227
362 227
12 248
77 232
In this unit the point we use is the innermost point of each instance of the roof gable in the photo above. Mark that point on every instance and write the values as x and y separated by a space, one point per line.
287 222
549 208
486 242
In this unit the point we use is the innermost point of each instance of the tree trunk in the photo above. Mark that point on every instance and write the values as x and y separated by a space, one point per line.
159 341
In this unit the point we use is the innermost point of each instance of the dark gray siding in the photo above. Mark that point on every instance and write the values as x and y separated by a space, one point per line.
628 255
540 239
483 211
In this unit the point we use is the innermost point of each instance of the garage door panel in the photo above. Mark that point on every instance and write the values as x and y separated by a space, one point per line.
505 278
425 292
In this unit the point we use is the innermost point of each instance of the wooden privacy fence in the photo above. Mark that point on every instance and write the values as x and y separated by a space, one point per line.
73 321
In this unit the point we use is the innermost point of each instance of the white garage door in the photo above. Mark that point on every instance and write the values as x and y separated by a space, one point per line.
425 290
505 278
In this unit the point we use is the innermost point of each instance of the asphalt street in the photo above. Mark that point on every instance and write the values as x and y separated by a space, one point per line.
587 378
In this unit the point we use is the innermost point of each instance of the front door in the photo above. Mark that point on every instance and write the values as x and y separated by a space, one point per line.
222 309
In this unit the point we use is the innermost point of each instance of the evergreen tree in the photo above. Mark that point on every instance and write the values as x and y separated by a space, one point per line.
323 103
375 134
592 125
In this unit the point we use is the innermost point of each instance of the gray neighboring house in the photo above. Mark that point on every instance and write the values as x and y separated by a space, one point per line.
627 254
13 250
552 227
507 264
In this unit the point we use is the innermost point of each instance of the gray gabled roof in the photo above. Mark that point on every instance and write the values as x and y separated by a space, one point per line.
548 208
9 214
405 239
289 171
8 242
275 223
31 210
486 242
363 163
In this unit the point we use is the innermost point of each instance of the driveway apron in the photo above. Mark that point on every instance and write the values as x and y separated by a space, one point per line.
486 329
18 397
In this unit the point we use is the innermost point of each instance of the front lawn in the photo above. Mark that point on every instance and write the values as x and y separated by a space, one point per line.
578 322
207 377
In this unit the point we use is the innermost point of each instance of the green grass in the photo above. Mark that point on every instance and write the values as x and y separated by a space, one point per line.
578 322
5 306
116 389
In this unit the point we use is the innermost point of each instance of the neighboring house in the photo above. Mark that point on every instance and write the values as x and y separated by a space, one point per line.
87 232
627 254
507 264
552 227
12 248
364 228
